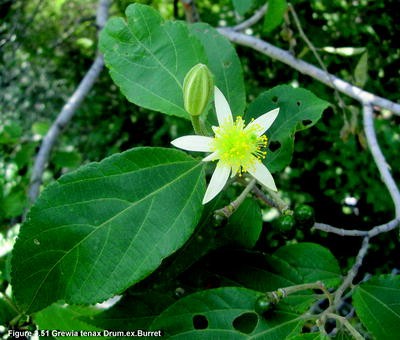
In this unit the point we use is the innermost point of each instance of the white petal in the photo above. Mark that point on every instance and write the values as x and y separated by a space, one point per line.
217 182
211 157
224 114
193 143
262 174
264 121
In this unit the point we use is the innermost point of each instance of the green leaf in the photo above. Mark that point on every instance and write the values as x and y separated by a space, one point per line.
132 312
67 159
224 64
274 15
225 313
66 318
299 110
14 203
245 225
361 70
312 261
311 336
40 128
242 7
25 154
106 226
377 303
10 133
149 58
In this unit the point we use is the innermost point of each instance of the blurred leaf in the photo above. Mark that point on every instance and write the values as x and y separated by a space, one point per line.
14 203
67 159
344 51
245 225
40 128
66 318
225 313
242 7
85 43
299 110
10 133
361 70
224 64
274 15
377 303
106 226
149 58
25 154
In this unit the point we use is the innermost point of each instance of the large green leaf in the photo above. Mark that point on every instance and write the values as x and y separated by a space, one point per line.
225 313
377 303
299 109
312 261
106 226
224 64
148 58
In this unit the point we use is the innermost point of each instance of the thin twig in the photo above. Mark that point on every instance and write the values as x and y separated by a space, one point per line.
347 324
352 273
228 210
256 17
316 55
379 229
379 158
309 69
264 198
68 109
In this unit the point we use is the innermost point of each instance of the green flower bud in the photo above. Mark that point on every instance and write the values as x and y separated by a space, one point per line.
198 87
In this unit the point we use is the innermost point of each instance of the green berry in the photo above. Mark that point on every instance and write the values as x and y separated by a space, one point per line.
263 304
304 215
284 223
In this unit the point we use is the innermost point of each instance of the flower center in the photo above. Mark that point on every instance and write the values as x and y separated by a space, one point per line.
239 147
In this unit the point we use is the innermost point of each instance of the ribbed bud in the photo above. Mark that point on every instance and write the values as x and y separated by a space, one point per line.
197 89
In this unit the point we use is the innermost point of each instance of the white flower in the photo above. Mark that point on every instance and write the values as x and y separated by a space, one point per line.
236 147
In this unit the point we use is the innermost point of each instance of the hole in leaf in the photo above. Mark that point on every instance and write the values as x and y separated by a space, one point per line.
274 145
245 323
200 322
298 103
274 99
306 122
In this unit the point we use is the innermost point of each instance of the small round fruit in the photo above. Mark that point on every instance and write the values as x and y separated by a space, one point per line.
284 223
304 215
263 304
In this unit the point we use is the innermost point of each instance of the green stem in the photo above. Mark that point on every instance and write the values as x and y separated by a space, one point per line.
198 126
283 292
280 203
